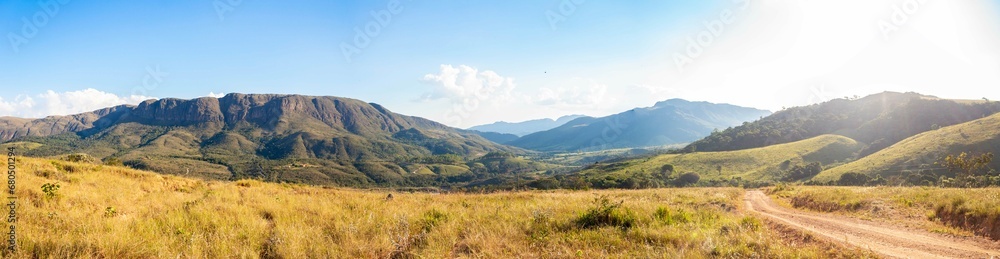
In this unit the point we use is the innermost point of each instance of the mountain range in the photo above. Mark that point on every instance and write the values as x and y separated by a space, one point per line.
525 127
346 142
672 121
887 138
274 137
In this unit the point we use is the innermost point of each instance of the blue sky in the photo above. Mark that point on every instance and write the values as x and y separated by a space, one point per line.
471 62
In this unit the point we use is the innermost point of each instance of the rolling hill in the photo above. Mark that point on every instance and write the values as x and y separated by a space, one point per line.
915 157
321 140
525 127
668 122
878 120
770 163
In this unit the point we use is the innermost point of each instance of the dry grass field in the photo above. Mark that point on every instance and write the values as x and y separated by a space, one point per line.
113 212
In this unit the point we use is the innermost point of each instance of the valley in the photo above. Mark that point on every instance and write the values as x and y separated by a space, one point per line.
276 176
501 129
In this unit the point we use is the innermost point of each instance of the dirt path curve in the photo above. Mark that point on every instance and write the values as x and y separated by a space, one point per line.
889 241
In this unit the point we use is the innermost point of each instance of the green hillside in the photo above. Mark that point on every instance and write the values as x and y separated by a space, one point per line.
878 120
286 138
915 157
759 164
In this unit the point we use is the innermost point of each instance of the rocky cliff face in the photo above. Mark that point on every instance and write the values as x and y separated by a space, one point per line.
261 136
270 112
11 128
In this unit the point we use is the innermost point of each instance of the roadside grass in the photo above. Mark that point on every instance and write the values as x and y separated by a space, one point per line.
103 211
952 211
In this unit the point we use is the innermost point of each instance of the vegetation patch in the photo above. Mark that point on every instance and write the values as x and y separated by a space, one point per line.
811 202
607 213
944 210
962 213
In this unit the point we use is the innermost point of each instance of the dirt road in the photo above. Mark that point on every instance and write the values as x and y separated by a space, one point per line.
886 240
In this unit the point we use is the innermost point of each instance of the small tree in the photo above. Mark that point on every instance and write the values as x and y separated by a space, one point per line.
666 171
853 179
688 178
966 166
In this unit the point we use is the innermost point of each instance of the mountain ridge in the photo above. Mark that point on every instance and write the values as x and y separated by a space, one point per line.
672 121
254 135
525 127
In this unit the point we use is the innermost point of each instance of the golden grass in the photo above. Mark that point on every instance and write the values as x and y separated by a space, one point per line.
114 212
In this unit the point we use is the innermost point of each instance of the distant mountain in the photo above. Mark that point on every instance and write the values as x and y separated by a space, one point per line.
312 139
501 138
879 121
668 122
525 127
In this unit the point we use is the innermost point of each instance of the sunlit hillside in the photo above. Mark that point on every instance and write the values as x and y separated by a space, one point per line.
759 164
921 153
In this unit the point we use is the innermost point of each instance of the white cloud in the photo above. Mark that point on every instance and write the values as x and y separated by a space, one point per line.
65 103
459 84
215 95
577 93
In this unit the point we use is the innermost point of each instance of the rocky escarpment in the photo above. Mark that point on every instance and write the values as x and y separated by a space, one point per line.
270 112
11 128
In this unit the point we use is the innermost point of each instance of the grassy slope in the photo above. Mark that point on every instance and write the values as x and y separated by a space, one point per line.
114 212
923 150
750 164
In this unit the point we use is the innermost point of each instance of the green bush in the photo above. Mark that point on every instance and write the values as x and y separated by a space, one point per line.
668 217
607 213
853 179
110 212
689 178
51 190
432 218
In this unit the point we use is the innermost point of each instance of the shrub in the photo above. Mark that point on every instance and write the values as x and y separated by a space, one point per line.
607 213
751 223
670 218
541 226
113 161
432 218
853 179
79 158
110 212
688 178
50 190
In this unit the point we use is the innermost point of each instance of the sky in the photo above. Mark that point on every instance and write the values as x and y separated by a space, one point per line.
465 63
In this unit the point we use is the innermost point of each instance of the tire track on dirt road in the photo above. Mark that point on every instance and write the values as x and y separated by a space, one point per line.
885 240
